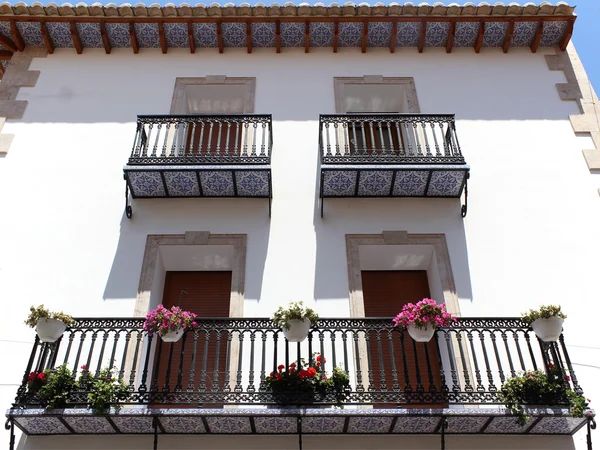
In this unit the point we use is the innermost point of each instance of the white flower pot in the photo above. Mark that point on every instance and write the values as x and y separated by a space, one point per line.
421 334
173 336
548 330
50 330
298 330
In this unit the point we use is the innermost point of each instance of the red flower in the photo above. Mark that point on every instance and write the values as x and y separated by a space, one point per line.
319 359
567 377
311 372
84 367
324 378
31 377
292 370
41 376
302 374
280 367
272 374
293 365
550 366
278 376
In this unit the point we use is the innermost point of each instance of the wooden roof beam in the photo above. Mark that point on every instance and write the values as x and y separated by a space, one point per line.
451 33
394 37
8 43
365 36
46 37
75 37
220 37
278 36
16 35
566 37
162 38
480 36
105 40
249 36
509 36
537 38
191 40
306 36
134 42
5 55
336 36
421 43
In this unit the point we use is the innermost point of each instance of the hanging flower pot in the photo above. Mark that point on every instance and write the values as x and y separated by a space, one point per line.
295 321
48 325
297 331
169 324
421 334
546 322
172 336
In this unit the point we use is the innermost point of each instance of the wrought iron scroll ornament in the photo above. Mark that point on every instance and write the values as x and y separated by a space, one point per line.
463 208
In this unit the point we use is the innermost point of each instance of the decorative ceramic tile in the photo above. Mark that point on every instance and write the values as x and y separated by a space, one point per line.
229 425
182 184
466 424
31 32
375 183
5 29
205 35
557 425
410 183
446 183
437 34
89 33
465 34
176 35
494 34
147 35
90 425
339 183
134 424
292 34
252 183
42 425
217 183
523 34
234 34
321 34
350 34
380 34
369 424
60 33
146 184
118 35
263 34
416 424
408 34
276 425
553 32
4 64
320 425
183 425
506 425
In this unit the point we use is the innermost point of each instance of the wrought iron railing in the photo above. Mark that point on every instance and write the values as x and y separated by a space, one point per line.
226 361
202 139
389 138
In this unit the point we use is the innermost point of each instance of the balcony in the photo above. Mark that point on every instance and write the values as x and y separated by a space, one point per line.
391 155
217 375
200 156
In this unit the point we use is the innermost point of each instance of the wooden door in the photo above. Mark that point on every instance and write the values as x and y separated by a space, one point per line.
207 294
417 364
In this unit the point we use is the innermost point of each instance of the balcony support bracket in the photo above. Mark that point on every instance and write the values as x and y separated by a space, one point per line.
463 208
155 426
128 210
591 425
10 425
443 432
299 420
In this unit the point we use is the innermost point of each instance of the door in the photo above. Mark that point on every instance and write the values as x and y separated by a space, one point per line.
199 363
417 365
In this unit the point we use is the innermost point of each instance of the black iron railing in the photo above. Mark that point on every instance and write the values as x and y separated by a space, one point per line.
389 138
226 361
202 139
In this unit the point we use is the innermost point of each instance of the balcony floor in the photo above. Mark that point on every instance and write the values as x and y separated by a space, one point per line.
136 420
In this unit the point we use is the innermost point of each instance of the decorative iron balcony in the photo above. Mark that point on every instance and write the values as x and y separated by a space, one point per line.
200 156
391 155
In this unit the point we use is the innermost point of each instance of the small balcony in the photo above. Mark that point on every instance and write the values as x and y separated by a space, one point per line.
213 379
200 156
391 155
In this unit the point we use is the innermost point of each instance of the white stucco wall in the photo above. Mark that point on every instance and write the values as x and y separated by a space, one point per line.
531 235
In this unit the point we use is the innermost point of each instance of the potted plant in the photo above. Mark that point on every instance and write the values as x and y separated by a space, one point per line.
536 388
169 324
48 325
547 322
52 386
295 320
422 319
104 390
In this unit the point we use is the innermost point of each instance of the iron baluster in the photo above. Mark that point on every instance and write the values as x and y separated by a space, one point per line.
427 148
572 375
192 374
215 381
432 388
515 336
237 139
203 371
401 150
143 387
263 362
156 140
355 141
395 383
167 131
407 385
497 354
383 148
238 385
359 382
337 143
530 348
463 361
254 126
201 140
251 387
167 385
69 345
327 138
209 142
227 377
417 141
114 349
373 146
178 384
453 371
245 149
420 388
391 141
371 387
263 139
364 138
382 382
135 359
218 149
479 386
345 132
435 141
154 380
102 347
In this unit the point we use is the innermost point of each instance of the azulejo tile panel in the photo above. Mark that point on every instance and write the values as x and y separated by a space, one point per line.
252 183
147 35
557 425
263 34
338 183
60 33
134 424
217 184
292 34
408 34
182 184
523 34
5 29
369 424
466 424
410 183
176 35
436 34
350 34
42 425
494 33
380 34
89 33
446 183
234 34
375 183
465 34
229 425
276 425
321 34
89 425
118 35
182 425
507 425
553 33
319 425
146 184
205 35
4 64
416 424
31 33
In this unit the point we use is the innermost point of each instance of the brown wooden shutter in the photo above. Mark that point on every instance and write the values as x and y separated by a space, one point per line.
206 294
385 292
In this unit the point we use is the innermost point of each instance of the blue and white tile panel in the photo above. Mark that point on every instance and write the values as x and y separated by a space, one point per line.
284 421
406 181
292 34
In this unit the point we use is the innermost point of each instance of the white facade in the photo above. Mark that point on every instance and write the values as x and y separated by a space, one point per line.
531 235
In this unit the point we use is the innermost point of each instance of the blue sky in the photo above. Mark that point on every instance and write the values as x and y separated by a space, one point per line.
586 38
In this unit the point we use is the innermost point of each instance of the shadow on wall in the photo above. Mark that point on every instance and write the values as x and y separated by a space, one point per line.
174 216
